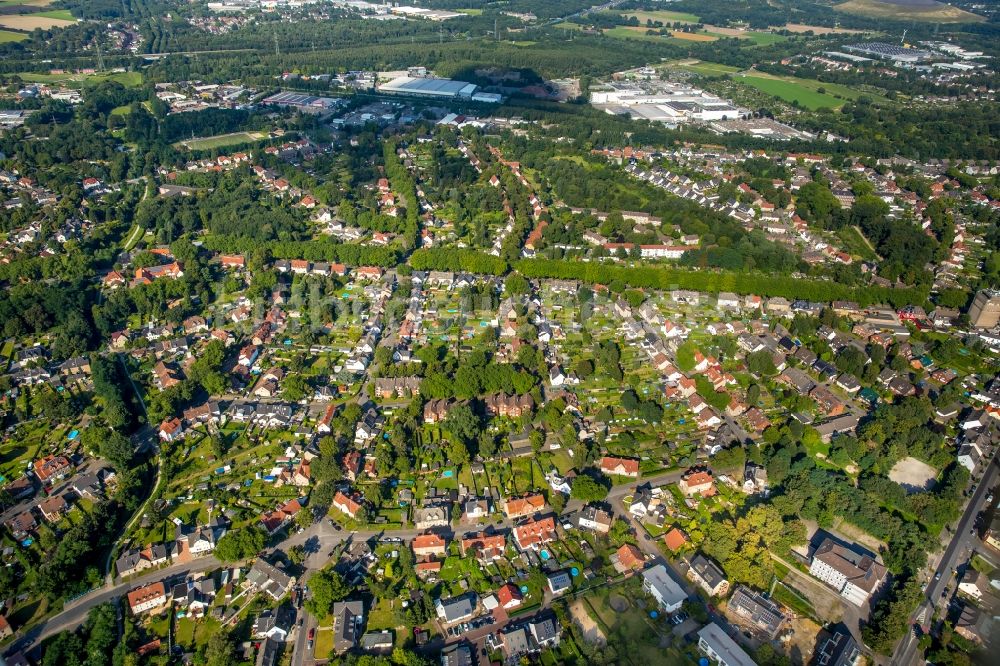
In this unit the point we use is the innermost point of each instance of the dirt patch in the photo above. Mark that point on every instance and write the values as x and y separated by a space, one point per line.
728 32
914 475
803 641
693 37
29 23
618 603
851 532
591 631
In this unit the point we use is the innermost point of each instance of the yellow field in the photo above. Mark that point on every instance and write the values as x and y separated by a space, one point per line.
937 12
28 22
693 36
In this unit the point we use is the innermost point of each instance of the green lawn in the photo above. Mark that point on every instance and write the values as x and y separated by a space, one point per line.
663 16
764 38
324 643
854 243
63 14
8 36
787 597
794 91
706 68
623 32
70 80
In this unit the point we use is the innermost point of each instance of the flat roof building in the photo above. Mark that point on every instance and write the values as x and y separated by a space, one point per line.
985 309
429 87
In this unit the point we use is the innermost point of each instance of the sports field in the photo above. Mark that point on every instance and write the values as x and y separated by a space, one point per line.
910 10
8 36
71 80
221 140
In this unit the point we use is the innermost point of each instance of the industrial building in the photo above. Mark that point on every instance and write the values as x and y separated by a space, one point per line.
894 52
669 103
985 309
304 102
439 88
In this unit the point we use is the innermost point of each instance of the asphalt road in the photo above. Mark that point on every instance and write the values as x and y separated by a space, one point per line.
963 542
76 611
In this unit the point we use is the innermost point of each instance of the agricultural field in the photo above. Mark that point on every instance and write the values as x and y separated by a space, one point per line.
909 10
8 36
693 36
632 32
29 22
221 140
663 16
764 38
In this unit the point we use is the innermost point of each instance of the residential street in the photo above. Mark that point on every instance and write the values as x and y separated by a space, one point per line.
319 541
958 550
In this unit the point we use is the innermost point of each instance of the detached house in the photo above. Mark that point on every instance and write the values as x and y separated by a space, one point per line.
613 466
346 505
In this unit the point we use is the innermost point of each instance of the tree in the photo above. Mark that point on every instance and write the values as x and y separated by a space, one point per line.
328 587
588 489
297 555
240 544
461 423
219 651
118 450
761 364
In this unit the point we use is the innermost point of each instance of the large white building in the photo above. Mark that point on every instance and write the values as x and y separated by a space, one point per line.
427 86
670 103
855 575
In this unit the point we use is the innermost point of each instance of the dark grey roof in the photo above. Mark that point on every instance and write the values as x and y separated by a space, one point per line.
456 607
707 570
459 654
560 580
544 629
839 650
758 611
